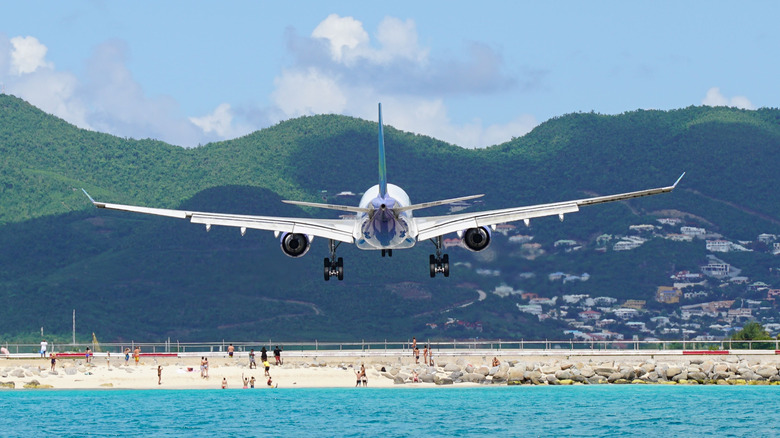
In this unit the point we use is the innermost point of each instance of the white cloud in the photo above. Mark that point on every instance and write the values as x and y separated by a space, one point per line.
339 70
28 55
715 98
308 92
220 122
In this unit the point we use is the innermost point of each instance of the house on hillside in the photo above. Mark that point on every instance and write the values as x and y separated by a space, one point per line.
635 304
668 294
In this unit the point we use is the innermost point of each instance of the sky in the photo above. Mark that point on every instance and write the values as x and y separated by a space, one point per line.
470 73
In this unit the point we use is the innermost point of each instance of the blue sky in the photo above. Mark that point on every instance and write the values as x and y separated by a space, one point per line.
470 73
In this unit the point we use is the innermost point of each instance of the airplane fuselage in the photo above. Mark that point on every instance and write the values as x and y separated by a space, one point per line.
382 228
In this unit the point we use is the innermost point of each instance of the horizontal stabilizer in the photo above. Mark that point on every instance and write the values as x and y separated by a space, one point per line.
331 206
435 203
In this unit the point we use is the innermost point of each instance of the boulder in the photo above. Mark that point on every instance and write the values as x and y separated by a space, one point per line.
549 369
627 373
469 368
8 385
398 380
427 378
552 380
483 370
766 371
587 372
564 374
17 373
597 380
451 367
673 371
566 382
516 373
604 371
456 375
682 376
107 385
493 370
473 378
442 380
614 377
697 376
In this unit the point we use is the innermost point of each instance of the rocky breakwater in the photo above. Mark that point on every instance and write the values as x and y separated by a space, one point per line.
698 371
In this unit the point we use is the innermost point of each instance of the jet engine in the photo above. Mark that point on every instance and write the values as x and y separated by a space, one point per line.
295 244
476 239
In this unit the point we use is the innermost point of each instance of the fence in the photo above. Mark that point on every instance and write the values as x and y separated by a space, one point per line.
448 347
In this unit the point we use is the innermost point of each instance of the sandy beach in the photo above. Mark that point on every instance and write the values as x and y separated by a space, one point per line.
387 370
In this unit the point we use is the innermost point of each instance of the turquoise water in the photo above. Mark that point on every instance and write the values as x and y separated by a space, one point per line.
500 411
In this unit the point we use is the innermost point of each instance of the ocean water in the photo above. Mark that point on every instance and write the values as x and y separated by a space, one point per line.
550 411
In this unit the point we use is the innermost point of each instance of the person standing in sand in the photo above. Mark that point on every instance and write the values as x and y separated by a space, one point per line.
53 357
88 355
159 374
206 367
414 346
231 349
137 355
363 374
127 356
252 382
44 344
224 383
416 353
245 380
252 363
278 355
267 368
263 355
425 355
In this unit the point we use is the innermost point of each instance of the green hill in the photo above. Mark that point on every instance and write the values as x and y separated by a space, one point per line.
135 277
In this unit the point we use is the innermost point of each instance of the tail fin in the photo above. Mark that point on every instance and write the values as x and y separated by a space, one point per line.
382 166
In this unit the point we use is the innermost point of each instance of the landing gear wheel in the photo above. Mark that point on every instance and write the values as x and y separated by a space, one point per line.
432 260
340 268
327 269
445 261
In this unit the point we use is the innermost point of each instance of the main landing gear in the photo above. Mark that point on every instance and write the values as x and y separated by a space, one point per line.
334 267
389 252
439 262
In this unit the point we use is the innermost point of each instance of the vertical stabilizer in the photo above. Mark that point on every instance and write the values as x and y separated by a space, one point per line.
382 166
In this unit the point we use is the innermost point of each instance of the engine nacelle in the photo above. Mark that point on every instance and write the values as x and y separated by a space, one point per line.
295 244
476 239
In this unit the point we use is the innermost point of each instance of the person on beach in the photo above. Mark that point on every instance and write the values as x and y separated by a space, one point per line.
127 356
252 363
224 383
414 347
202 367
44 344
159 374
88 355
206 367
425 355
137 355
357 379
430 356
415 377
496 361
278 355
231 349
363 374
416 355
245 380
263 355
267 368
53 360
252 382
269 382
108 359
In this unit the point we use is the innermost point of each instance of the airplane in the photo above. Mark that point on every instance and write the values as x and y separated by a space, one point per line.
383 220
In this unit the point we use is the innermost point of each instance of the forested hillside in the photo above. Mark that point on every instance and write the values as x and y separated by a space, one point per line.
132 276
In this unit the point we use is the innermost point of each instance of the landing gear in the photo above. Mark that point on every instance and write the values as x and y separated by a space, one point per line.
389 252
334 267
439 262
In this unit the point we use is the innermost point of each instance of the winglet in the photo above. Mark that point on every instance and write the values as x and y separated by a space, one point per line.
90 197
382 166
678 180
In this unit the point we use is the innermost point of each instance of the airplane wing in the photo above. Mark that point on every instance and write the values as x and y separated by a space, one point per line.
336 229
429 227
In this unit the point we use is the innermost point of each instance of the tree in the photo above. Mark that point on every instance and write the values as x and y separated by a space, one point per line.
752 331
